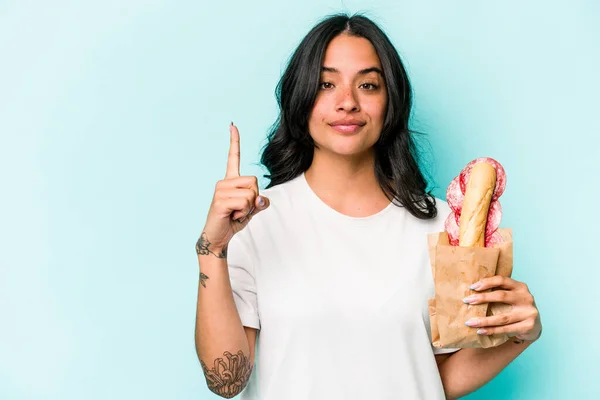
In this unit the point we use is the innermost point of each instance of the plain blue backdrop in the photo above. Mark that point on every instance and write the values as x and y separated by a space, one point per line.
114 129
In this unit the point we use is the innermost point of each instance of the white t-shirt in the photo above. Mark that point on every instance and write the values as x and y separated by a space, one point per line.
341 302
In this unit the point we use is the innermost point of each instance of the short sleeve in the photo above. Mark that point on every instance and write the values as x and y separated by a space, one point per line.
242 278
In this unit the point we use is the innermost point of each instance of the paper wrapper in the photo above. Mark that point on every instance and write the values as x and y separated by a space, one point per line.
454 269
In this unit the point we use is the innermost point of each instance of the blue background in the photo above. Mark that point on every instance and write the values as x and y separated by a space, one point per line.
114 129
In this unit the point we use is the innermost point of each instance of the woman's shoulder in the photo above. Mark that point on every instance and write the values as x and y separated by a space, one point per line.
286 192
443 209
283 198
435 224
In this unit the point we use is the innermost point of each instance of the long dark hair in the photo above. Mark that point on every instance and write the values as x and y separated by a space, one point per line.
289 149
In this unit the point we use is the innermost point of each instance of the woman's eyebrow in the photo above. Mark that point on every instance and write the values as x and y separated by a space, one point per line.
361 72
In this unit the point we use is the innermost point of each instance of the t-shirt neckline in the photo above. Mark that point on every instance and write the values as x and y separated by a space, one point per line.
325 209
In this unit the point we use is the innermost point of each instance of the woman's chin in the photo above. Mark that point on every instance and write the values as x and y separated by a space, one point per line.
348 151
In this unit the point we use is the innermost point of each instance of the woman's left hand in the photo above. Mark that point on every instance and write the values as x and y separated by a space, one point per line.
522 321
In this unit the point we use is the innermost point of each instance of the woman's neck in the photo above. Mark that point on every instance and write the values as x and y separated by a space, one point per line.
347 185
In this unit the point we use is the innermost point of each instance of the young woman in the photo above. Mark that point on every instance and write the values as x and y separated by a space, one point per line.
329 263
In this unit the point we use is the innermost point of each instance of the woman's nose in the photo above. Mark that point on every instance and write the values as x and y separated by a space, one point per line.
347 100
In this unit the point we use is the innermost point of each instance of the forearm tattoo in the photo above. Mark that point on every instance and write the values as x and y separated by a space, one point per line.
228 379
203 279
202 247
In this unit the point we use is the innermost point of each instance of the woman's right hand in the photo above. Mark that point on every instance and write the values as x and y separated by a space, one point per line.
235 202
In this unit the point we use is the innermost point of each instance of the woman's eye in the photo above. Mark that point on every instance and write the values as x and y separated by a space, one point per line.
325 85
369 86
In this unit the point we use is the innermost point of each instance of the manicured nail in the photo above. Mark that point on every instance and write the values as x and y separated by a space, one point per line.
472 322
481 331
261 202
475 286
469 299
240 220
231 123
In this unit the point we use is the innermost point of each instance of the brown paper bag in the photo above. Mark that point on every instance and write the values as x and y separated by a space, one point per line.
454 269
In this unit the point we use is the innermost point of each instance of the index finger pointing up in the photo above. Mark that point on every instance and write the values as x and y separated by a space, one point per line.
233 160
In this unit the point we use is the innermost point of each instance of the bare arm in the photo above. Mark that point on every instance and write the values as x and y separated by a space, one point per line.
467 370
224 347
222 343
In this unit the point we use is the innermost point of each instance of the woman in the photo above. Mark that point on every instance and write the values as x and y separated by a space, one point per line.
330 263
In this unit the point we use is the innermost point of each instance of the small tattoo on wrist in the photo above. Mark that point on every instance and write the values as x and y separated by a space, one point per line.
203 247
203 279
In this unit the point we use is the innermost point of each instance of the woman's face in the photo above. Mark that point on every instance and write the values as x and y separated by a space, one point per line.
348 114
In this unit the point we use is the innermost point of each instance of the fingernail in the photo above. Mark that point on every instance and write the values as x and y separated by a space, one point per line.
481 331
231 123
469 299
472 322
240 220
261 202
475 286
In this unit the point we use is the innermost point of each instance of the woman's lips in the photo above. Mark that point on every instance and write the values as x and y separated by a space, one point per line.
351 128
